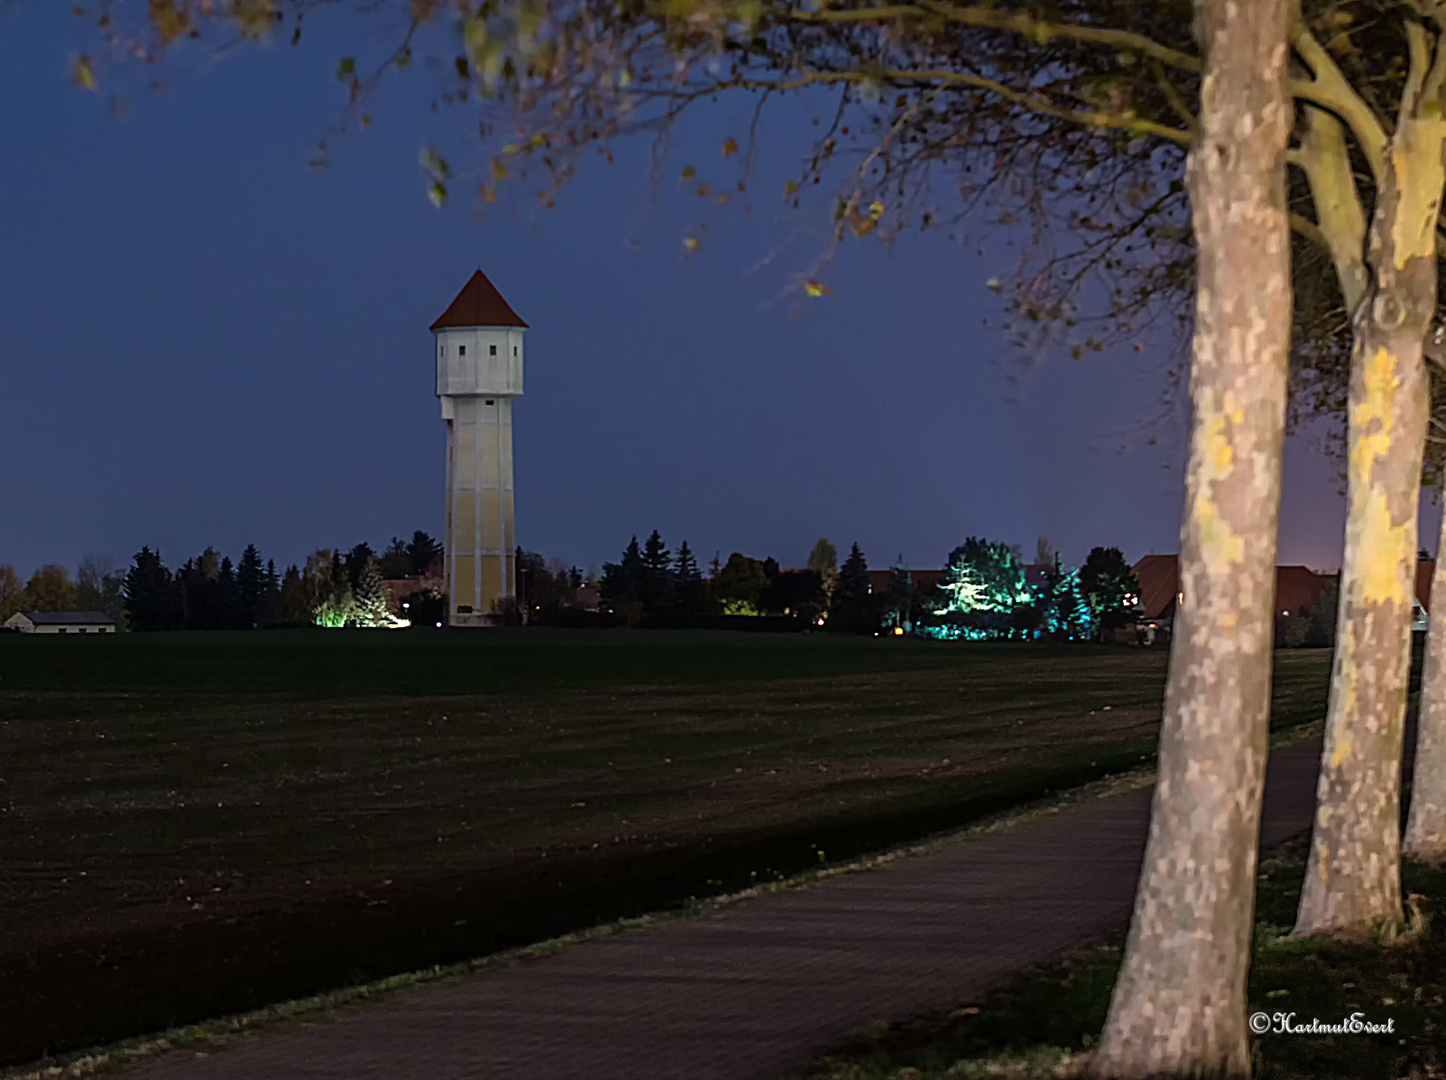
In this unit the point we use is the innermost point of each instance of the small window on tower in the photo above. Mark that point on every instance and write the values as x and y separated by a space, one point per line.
490 401
514 350
461 350
494 351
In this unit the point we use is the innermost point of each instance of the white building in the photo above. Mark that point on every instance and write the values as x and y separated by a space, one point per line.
61 622
479 372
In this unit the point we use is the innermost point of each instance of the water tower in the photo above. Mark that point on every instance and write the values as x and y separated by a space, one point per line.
479 372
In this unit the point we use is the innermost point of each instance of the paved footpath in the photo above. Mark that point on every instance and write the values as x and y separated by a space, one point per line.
760 988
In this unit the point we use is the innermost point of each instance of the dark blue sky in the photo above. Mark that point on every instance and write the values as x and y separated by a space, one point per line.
204 342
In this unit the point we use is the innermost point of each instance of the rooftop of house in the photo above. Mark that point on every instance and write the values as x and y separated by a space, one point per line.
1296 587
69 618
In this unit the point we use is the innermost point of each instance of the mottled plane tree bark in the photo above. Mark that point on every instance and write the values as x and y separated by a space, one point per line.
1179 1005
1425 838
1352 882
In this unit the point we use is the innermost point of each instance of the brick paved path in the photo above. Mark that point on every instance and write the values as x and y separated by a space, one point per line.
760 988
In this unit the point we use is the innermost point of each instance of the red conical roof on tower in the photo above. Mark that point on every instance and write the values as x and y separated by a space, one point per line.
479 304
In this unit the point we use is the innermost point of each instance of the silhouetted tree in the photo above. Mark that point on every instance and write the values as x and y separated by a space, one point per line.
295 602
200 591
228 597
252 588
657 577
622 584
1110 588
423 551
356 560
851 609
396 561
152 598
690 596
795 592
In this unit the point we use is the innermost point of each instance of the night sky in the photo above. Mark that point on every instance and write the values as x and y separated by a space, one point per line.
203 342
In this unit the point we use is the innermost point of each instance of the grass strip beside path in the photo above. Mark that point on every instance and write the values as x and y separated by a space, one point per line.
1043 1024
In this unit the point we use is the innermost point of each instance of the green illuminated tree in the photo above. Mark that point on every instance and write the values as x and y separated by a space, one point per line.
1065 611
369 602
997 573
336 605
739 586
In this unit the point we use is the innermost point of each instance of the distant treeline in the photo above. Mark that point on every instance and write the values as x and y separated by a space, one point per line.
210 592
984 591
333 588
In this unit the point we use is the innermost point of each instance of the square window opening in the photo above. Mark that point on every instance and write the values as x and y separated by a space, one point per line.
461 350
490 402
494 350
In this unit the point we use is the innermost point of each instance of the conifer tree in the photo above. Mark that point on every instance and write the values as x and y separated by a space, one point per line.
356 560
689 594
850 609
396 562
200 592
370 598
229 612
622 582
152 600
422 551
251 585
657 576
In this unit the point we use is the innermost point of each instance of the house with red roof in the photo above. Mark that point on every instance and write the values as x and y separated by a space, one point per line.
1297 589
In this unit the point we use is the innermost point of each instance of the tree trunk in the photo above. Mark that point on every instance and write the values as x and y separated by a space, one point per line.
1426 827
1353 877
1179 1006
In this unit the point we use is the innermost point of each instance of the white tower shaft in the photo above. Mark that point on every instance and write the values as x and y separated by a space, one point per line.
479 373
